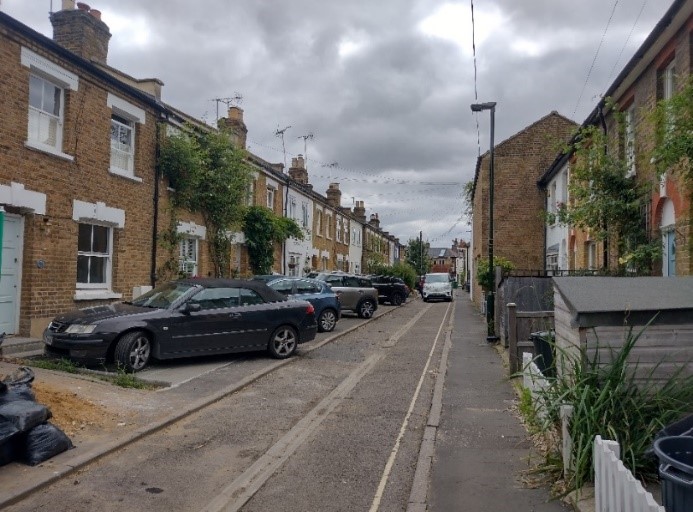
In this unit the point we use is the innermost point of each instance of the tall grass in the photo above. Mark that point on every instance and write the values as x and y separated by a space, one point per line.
609 399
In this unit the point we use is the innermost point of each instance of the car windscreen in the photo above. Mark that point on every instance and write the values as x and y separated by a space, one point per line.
437 278
163 296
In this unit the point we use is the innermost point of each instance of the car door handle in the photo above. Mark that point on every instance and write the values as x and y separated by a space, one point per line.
234 315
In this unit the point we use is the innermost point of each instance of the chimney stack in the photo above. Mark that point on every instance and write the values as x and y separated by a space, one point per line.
235 125
375 221
334 195
81 31
298 171
360 211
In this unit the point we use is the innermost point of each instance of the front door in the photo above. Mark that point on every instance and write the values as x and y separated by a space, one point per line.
670 241
12 240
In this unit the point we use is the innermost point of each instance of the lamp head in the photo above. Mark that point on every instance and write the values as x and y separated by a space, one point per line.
478 107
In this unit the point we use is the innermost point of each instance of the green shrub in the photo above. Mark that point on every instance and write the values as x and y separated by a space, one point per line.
608 400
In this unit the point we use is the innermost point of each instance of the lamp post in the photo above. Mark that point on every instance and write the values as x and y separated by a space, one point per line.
490 318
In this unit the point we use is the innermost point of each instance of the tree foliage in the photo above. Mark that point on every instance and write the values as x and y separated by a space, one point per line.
673 120
402 270
262 230
212 177
417 255
607 202
485 275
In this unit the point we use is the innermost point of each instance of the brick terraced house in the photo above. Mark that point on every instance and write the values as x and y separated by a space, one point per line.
85 208
519 161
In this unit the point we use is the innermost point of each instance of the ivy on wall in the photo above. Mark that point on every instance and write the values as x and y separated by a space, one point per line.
211 177
262 230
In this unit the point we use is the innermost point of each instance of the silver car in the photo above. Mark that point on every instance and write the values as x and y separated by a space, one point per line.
356 293
437 286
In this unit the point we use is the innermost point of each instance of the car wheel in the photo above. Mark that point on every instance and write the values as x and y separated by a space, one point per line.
366 309
425 299
327 320
396 299
283 342
133 351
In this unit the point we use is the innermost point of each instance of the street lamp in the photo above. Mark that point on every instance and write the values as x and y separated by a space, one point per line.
490 302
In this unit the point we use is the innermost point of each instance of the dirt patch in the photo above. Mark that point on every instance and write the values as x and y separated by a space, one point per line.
71 412
88 409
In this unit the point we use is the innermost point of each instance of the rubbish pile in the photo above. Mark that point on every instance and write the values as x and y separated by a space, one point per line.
26 435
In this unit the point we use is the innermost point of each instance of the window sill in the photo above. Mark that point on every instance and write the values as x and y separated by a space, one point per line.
96 295
124 174
50 150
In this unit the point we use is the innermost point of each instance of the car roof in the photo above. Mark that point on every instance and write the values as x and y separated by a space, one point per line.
260 287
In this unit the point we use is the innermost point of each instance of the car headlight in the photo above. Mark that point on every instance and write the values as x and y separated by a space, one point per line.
81 329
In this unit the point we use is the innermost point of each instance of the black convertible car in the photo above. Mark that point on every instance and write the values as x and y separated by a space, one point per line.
190 317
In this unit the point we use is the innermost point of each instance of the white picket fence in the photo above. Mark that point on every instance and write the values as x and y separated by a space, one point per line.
615 487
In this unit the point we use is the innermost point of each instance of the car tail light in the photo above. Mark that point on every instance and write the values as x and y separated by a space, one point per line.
310 309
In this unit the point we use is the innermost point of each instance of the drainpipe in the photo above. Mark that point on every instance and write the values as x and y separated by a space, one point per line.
602 121
286 209
157 179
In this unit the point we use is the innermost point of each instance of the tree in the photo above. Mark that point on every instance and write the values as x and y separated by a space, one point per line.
212 177
417 255
606 201
262 230
485 276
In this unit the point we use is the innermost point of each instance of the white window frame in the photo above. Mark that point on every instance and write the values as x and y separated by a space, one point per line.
271 191
188 266
60 78
591 255
101 215
629 140
129 115
292 208
318 223
304 214
108 256
252 186
338 230
328 226
668 81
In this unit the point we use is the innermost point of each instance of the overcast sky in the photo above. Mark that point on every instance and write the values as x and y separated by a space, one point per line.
384 86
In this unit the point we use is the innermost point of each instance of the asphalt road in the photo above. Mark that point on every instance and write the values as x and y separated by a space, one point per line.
338 428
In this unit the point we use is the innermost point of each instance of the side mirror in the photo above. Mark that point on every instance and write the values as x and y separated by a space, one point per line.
191 307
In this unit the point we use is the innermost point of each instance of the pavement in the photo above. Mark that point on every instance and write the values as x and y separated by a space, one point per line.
482 456
475 456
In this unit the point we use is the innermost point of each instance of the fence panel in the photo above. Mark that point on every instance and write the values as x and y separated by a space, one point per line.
615 487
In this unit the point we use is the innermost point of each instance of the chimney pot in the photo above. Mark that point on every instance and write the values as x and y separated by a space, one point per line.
68 5
95 13
83 7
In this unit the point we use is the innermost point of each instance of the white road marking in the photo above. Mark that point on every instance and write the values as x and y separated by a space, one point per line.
242 489
375 505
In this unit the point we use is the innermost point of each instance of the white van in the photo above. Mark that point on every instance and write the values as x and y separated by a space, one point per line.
437 286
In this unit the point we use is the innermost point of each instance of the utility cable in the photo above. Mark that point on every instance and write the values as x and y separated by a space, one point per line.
596 54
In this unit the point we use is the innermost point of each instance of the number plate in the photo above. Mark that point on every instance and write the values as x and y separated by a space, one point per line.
48 339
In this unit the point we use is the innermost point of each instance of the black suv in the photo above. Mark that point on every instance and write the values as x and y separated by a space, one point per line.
390 289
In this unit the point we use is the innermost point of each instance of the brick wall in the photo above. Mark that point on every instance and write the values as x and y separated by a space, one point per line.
48 287
518 203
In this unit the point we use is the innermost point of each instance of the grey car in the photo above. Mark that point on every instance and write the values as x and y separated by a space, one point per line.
356 293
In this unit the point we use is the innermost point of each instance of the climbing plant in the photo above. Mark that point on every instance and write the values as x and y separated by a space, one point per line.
606 201
263 228
673 120
212 177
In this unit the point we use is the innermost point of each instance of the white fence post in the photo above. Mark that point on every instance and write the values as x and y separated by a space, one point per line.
566 412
